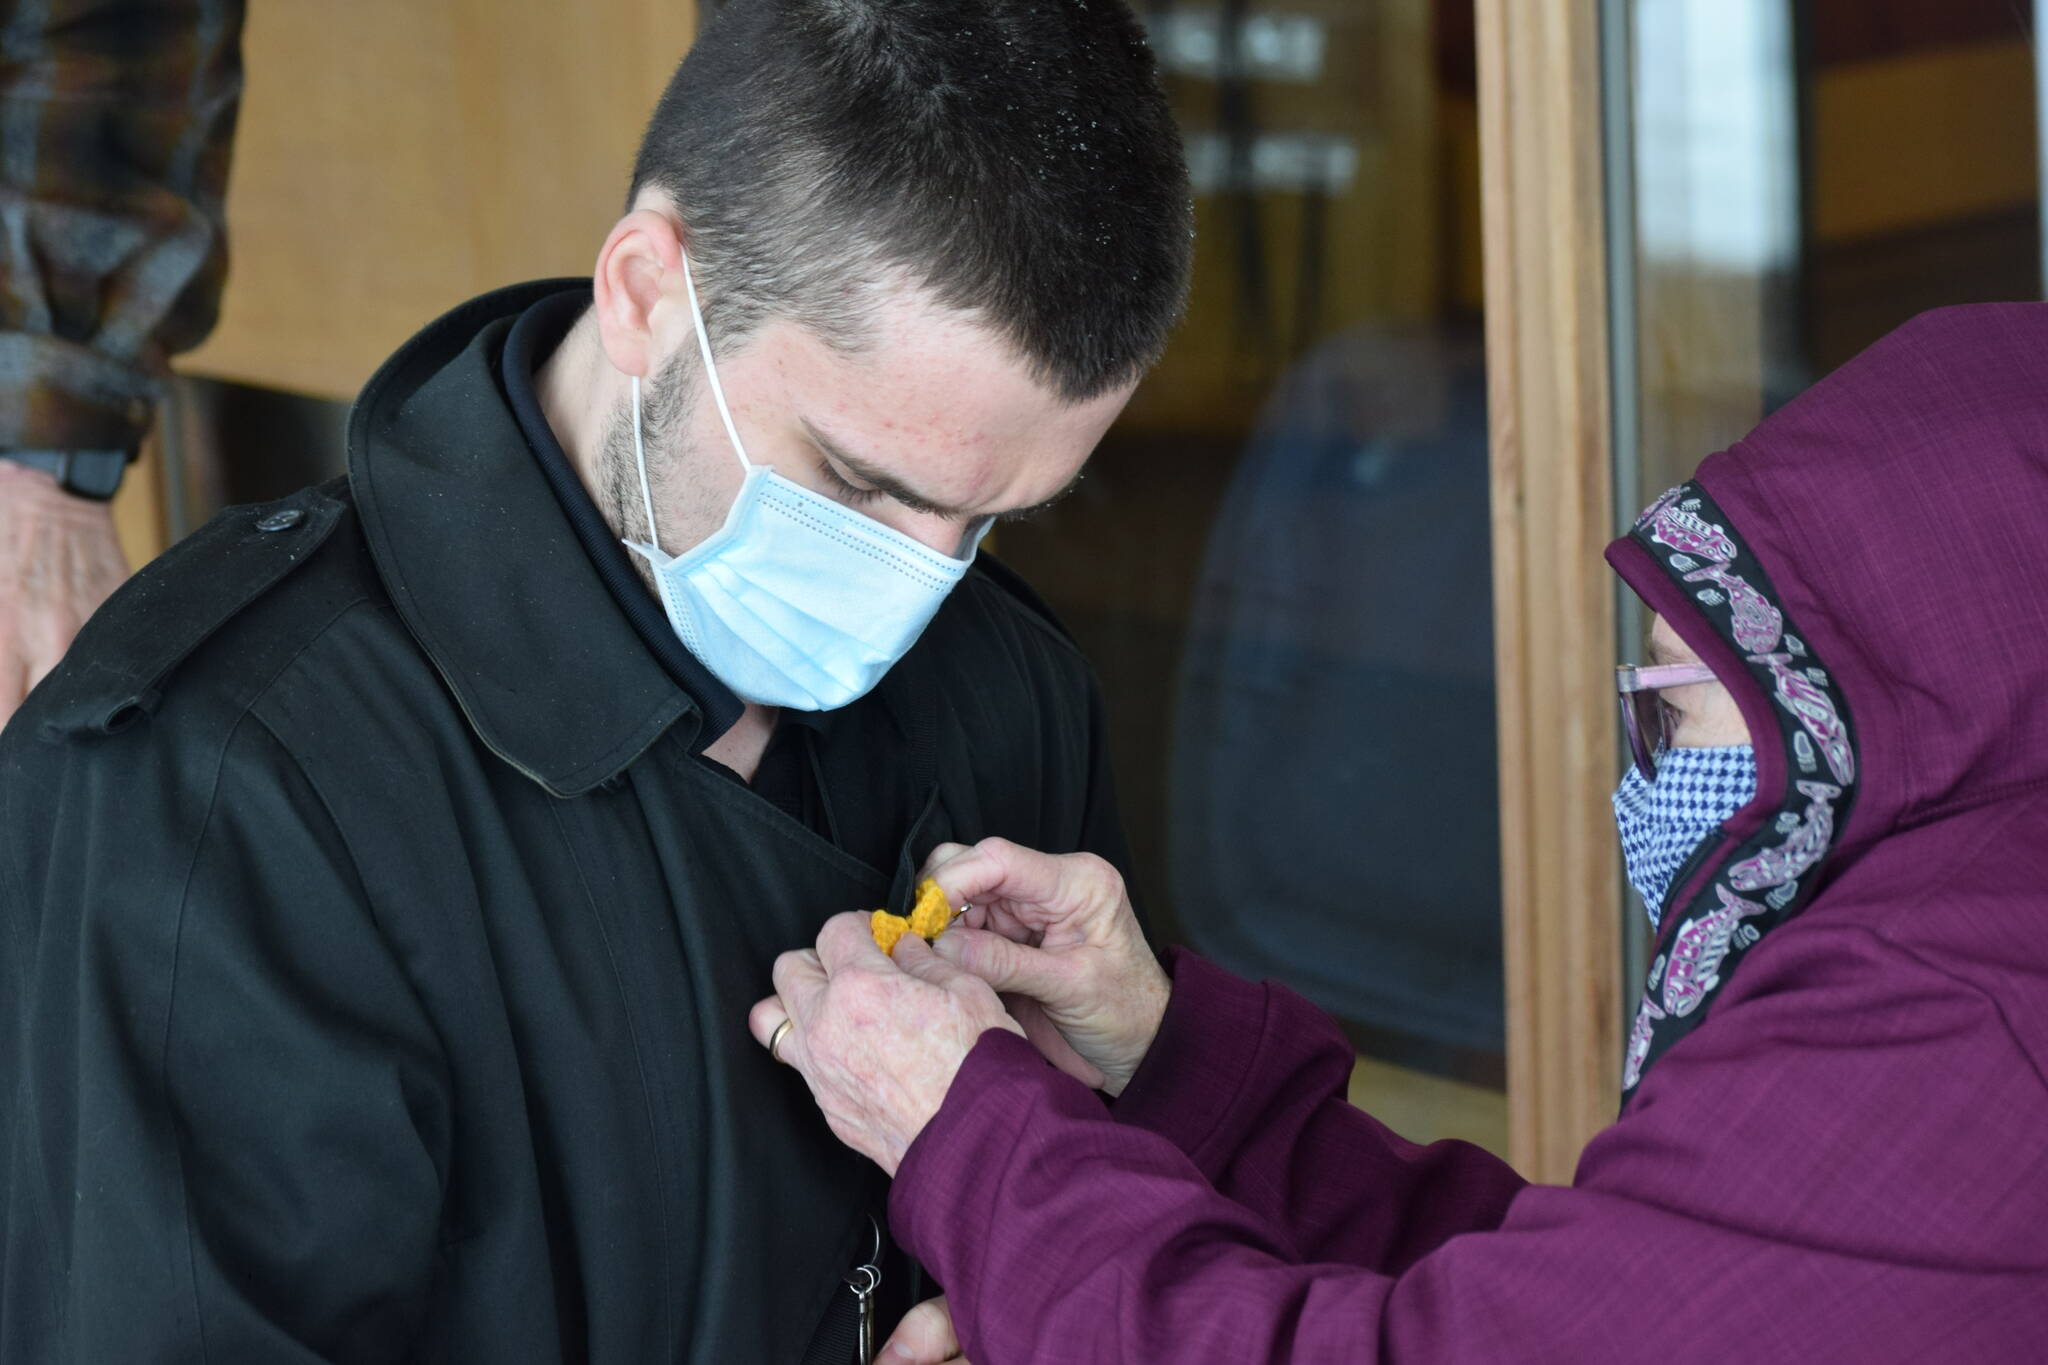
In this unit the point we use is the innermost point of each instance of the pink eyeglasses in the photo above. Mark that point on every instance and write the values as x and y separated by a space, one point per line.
1643 713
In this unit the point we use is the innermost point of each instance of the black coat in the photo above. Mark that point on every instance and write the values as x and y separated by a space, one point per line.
378 947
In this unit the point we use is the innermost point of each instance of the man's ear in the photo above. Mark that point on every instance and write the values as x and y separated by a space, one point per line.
639 262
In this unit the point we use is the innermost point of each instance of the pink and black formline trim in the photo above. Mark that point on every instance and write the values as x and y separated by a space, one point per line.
1765 867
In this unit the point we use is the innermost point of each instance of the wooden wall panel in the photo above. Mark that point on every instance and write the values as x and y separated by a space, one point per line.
1547 363
398 156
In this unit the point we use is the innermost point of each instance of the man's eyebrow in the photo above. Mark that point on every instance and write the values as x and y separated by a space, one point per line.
910 497
1027 513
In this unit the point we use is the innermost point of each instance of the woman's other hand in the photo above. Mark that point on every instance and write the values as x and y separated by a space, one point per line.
925 1337
1057 931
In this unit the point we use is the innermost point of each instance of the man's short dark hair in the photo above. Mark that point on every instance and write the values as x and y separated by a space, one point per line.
1015 157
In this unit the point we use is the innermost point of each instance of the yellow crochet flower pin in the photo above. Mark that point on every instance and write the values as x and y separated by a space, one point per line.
928 918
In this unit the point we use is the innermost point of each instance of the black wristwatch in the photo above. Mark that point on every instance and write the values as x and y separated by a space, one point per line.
94 474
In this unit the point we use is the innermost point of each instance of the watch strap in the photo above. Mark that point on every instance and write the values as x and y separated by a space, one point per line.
94 474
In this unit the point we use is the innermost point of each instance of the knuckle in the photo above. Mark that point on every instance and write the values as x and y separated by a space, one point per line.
1097 869
967 989
924 1330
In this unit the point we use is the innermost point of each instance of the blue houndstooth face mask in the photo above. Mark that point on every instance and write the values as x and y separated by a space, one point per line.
1662 822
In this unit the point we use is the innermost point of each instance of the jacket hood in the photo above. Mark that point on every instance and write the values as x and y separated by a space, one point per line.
1867 571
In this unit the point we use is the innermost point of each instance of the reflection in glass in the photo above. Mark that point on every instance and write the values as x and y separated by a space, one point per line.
1717 219
1333 805
1806 177
1280 561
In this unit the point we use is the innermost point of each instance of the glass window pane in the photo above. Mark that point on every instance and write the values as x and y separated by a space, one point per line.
1805 177
1280 560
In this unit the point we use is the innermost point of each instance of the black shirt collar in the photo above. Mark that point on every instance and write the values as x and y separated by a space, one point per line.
481 565
533 338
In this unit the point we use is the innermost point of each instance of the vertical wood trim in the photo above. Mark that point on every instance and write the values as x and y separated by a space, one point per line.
1547 363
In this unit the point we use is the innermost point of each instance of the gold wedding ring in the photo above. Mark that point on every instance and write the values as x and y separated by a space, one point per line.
775 1038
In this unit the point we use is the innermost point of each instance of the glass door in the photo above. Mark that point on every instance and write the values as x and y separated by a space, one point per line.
1280 560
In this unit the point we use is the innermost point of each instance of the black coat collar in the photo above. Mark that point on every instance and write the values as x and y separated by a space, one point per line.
534 337
484 568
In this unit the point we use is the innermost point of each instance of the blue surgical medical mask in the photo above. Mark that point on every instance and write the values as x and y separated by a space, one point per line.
796 601
1662 822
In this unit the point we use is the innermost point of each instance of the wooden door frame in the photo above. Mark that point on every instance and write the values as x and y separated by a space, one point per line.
1548 384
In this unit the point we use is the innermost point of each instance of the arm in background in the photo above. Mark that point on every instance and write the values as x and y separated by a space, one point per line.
115 126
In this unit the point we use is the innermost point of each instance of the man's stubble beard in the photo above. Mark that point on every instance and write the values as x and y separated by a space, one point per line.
674 481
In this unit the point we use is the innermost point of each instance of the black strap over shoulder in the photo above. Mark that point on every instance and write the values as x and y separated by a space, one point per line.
838 1334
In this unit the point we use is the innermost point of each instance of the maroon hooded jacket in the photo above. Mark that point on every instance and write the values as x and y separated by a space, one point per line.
1834 1145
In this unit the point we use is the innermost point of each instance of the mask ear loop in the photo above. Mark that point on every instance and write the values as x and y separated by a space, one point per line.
640 458
711 367
717 394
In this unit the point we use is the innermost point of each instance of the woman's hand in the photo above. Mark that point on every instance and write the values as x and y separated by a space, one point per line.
1059 932
925 1337
878 1039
